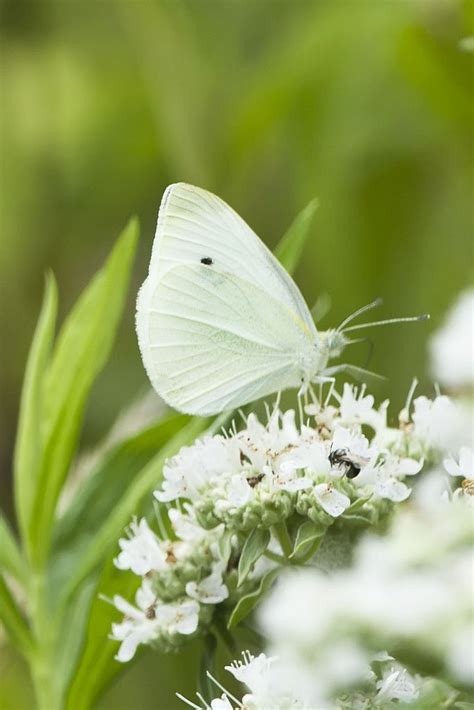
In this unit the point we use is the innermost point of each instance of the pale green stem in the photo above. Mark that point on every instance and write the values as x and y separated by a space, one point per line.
281 532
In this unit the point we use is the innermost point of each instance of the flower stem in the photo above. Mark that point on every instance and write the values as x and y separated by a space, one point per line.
283 536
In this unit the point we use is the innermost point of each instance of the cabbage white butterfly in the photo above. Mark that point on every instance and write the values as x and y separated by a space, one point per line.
220 323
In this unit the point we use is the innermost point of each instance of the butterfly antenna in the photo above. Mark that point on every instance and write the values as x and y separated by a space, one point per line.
388 321
359 311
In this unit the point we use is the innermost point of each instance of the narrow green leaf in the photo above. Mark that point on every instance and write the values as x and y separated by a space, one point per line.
306 536
97 666
106 537
291 245
11 559
254 547
207 665
108 481
81 351
358 504
71 635
13 621
28 445
322 307
247 603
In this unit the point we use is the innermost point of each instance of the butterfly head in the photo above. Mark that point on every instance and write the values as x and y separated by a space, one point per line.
331 344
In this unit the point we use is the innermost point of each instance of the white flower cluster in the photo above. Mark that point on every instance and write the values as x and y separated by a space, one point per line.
264 474
266 477
266 679
182 579
409 591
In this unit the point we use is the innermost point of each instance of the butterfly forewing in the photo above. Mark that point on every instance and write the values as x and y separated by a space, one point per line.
195 225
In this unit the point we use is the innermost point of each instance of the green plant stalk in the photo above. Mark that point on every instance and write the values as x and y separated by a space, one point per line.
283 536
42 658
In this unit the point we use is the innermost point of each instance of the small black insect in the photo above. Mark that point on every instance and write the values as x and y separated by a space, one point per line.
255 480
343 458
150 613
206 260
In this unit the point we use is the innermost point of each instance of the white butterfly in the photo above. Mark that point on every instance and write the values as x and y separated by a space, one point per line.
220 323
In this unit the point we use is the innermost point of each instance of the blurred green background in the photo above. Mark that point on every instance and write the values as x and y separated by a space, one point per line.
365 103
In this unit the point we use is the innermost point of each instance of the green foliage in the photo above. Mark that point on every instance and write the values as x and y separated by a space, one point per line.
248 602
29 442
82 348
254 547
290 248
65 562
307 535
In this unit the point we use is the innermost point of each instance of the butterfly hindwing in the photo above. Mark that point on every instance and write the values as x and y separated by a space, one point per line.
211 340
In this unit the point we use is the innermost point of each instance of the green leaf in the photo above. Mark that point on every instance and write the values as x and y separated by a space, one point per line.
13 621
358 504
106 537
108 481
306 536
28 445
254 547
81 351
71 634
322 307
248 602
11 559
96 666
290 247
207 665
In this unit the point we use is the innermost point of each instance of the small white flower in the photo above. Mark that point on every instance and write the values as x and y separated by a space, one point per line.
194 466
137 627
312 456
465 467
185 524
439 423
142 552
397 684
211 590
385 477
331 500
358 408
252 670
222 703
239 491
261 444
181 618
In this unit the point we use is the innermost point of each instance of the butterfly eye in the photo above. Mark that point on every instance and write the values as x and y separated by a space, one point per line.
206 260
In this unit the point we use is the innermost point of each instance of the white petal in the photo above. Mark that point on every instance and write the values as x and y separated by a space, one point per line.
187 617
451 467
408 467
128 647
222 703
331 500
466 462
239 490
392 489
